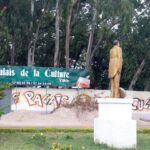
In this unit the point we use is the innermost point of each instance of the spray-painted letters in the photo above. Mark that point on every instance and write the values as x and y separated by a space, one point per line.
141 104
39 99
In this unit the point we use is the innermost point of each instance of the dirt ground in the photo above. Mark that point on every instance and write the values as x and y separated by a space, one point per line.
62 117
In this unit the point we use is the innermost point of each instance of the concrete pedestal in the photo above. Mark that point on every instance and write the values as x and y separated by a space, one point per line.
114 126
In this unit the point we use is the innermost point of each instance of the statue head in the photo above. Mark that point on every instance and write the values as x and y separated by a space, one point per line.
116 42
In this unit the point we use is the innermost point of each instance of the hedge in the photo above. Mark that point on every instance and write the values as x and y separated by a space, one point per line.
37 130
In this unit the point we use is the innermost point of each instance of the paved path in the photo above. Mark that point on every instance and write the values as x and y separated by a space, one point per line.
63 117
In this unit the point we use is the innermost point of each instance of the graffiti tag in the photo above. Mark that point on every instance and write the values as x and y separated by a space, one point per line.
140 104
15 97
55 101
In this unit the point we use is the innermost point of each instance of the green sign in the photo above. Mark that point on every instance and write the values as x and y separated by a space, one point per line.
41 75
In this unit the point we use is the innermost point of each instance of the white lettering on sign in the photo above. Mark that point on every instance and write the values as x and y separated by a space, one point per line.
63 80
7 72
36 73
48 73
56 74
24 73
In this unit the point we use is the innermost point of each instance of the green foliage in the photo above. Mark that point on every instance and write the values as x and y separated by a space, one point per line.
68 137
60 146
3 87
43 130
79 141
39 139
1 112
1 95
116 19
63 130
144 131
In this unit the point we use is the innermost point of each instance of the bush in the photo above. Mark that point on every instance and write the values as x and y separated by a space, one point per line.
38 130
144 131
3 87
1 112
1 94
43 130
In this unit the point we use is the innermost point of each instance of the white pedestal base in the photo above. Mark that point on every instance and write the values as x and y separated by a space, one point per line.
114 126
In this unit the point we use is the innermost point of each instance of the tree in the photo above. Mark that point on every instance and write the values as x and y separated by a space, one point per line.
140 47
91 36
30 54
57 28
68 29
136 75
57 33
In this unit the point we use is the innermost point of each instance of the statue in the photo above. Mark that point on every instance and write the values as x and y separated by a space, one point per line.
115 67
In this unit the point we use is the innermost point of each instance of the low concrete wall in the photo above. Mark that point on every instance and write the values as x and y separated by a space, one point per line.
69 107
41 99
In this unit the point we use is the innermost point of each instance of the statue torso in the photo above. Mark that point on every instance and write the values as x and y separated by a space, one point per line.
115 61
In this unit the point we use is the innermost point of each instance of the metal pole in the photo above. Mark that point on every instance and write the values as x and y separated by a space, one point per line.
46 100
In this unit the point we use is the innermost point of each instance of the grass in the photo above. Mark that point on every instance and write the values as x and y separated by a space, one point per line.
43 141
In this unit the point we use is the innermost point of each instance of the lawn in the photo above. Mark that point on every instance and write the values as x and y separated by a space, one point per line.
43 141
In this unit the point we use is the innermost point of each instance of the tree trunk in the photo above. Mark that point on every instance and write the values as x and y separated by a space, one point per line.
29 54
136 75
57 26
29 60
32 49
34 42
90 43
67 42
68 30
146 88
94 49
12 51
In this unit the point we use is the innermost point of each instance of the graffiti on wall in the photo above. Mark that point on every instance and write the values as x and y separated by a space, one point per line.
141 104
15 97
138 103
55 101
83 101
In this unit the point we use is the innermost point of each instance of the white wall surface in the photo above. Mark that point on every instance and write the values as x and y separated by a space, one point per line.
35 99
